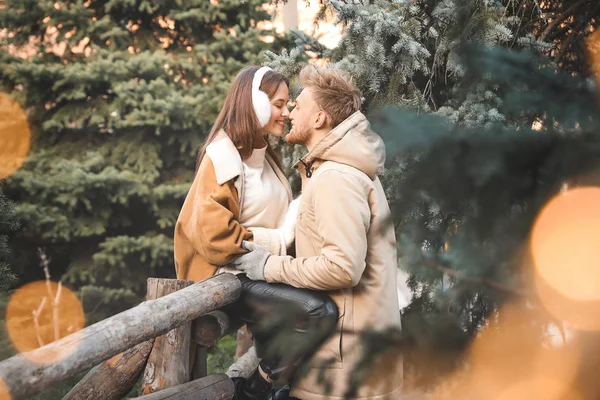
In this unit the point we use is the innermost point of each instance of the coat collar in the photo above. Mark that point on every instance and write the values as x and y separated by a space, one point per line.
352 143
225 158
228 163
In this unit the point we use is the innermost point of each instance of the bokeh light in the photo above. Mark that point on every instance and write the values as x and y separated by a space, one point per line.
565 243
593 45
15 136
4 392
507 360
539 388
32 320
578 314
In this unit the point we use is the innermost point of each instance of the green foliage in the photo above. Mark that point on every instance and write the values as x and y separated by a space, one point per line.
454 87
6 347
59 390
8 224
100 303
566 25
221 356
466 205
119 97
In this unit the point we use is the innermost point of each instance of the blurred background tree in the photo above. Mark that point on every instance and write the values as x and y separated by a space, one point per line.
119 95
479 138
566 25
8 225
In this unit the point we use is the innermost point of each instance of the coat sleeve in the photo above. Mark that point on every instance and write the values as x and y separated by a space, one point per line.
277 241
342 216
213 228
271 239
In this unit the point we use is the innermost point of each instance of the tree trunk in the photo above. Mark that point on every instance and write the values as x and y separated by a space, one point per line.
115 377
206 332
213 387
169 361
105 339
200 364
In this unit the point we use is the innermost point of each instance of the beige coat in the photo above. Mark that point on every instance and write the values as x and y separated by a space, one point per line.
346 245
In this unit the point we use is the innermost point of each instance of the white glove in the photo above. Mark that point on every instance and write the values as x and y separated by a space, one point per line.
289 225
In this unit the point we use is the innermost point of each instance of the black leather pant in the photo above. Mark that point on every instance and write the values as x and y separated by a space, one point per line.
288 324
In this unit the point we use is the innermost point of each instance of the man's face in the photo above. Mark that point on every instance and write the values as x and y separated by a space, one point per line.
303 118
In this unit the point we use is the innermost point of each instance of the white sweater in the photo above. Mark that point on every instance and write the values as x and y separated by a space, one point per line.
265 198
265 210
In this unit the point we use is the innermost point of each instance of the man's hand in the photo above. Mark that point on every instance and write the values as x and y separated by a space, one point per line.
252 263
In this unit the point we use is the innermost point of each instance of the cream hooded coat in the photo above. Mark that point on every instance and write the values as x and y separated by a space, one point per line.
346 246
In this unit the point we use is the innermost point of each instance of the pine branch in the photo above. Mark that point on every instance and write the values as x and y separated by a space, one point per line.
565 45
566 14
473 279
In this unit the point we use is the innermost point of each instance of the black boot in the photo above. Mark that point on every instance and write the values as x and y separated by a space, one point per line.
253 388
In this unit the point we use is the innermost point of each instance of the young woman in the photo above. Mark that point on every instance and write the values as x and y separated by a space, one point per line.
241 193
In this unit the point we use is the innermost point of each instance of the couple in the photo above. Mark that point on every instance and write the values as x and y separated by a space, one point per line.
239 217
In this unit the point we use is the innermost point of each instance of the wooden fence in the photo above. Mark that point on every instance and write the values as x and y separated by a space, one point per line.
165 338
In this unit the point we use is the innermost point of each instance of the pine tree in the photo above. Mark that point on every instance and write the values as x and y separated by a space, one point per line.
8 224
564 24
454 88
120 95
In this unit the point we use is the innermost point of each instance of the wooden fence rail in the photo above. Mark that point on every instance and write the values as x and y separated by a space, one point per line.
213 387
27 374
115 377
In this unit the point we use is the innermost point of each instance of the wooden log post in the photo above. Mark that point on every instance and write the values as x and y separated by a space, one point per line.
206 332
115 377
169 361
213 387
23 377
209 328
199 361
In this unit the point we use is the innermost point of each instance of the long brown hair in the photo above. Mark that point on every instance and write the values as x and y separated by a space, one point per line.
237 117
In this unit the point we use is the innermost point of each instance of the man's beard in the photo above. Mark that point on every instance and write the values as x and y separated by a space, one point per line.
298 135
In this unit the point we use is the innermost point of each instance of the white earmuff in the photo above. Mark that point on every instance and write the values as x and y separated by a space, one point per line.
260 100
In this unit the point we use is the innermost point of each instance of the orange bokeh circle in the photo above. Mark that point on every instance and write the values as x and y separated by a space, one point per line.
539 387
565 243
593 47
27 332
15 136
4 391
507 360
578 314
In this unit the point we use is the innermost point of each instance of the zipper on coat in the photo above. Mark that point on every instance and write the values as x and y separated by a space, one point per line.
307 168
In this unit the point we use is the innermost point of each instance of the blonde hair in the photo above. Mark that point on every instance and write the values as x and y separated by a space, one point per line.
333 91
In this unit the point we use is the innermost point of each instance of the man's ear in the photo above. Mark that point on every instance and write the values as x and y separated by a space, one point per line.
322 119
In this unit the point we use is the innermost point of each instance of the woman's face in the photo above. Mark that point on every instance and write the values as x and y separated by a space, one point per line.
279 112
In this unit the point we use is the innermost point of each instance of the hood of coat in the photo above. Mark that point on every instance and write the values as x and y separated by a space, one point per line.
352 143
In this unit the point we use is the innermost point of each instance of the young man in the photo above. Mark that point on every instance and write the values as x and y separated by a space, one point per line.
345 241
